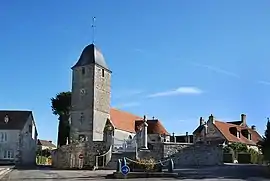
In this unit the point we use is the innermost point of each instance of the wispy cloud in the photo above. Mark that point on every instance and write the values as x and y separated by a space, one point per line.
138 50
217 70
126 105
178 91
126 93
264 82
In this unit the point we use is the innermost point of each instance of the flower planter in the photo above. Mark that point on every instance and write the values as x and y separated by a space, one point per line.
134 167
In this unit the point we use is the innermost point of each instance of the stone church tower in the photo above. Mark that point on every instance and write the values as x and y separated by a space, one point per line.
91 93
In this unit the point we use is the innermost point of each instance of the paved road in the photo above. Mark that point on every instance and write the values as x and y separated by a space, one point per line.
224 173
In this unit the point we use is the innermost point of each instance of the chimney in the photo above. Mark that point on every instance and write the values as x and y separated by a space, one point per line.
201 121
244 119
253 127
187 138
211 119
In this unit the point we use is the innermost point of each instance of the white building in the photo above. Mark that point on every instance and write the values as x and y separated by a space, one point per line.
18 137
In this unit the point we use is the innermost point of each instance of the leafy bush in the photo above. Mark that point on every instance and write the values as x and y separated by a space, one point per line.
147 164
255 157
239 147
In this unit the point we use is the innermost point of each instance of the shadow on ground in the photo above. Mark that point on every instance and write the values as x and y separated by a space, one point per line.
228 171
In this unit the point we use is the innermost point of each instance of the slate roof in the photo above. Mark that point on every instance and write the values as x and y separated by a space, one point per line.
46 143
129 122
16 119
91 55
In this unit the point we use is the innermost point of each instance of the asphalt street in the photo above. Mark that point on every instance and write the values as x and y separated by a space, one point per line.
224 173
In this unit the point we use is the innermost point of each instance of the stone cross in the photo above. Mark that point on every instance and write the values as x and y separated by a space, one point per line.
174 138
144 133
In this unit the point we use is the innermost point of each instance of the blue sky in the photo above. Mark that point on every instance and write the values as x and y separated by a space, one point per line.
175 60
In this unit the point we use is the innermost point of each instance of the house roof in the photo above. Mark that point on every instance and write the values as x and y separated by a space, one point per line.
154 127
16 119
129 122
46 143
198 129
224 128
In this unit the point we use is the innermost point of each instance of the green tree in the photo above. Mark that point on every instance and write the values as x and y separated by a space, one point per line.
238 147
61 106
265 144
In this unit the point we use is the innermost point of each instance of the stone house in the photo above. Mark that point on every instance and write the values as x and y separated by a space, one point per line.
45 145
18 137
215 131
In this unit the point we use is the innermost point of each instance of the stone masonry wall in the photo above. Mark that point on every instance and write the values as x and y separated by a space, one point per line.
185 154
199 155
67 156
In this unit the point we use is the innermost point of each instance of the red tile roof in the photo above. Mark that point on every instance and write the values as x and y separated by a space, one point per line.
128 122
123 120
224 128
154 127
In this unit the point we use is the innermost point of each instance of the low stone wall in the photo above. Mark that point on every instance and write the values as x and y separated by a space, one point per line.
67 156
185 154
170 149
199 155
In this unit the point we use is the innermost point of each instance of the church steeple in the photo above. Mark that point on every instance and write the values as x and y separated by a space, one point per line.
91 55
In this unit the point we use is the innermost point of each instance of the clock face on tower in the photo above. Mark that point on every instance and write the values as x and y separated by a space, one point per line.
82 91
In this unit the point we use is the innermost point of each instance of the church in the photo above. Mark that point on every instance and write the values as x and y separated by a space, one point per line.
100 134
91 100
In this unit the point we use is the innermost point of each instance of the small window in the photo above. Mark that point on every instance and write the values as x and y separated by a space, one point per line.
103 72
82 118
3 137
8 154
83 71
30 129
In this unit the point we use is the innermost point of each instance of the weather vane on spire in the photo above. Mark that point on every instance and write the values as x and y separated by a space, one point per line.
93 29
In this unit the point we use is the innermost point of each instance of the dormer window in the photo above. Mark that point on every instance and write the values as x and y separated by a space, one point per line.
233 131
246 133
83 70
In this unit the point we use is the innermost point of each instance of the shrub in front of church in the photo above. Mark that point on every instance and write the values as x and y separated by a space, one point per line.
145 165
